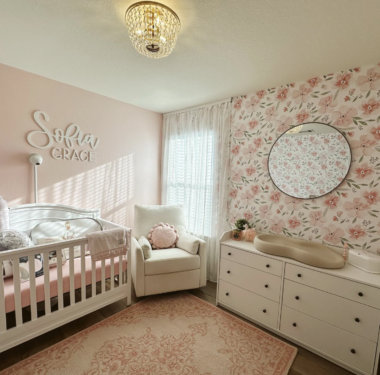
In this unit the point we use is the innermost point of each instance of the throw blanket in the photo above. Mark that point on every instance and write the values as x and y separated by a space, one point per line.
109 243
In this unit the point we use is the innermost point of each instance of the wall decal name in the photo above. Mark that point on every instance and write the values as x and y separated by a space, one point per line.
71 136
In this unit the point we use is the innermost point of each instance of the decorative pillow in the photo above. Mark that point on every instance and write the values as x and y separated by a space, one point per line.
145 246
188 243
13 239
163 236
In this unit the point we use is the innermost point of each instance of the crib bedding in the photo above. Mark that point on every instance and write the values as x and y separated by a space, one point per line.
40 292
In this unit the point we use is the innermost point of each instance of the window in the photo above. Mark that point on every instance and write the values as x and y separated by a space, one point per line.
190 179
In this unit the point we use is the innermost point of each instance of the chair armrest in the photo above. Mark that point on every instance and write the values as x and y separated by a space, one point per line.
202 252
138 268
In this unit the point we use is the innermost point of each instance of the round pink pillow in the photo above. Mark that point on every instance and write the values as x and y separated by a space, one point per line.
163 236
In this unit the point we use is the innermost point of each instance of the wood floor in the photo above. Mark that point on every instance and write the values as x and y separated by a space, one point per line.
306 363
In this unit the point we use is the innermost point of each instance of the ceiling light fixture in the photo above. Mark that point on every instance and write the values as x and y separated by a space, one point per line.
153 28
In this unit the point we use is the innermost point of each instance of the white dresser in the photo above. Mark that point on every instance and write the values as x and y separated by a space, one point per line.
334 313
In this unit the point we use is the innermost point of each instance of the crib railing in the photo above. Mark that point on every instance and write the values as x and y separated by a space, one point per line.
23 331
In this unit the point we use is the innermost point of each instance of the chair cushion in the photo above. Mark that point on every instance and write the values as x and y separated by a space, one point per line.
171 260
146 217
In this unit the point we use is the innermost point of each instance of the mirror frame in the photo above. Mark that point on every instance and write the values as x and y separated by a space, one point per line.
305 123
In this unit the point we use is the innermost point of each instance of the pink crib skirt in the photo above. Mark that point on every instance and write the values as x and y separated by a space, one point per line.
40 291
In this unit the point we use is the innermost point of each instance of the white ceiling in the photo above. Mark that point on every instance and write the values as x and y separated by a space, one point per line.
225 48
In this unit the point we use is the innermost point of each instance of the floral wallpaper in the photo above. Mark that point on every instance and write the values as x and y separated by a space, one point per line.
309 165
348 100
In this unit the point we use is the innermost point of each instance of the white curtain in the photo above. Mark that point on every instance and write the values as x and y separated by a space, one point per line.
195 170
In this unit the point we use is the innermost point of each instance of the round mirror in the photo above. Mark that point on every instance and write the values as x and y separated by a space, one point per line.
309 160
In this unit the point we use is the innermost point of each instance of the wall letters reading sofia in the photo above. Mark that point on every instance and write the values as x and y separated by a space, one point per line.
71 137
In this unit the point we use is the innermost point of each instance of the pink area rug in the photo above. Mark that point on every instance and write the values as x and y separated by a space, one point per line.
175 334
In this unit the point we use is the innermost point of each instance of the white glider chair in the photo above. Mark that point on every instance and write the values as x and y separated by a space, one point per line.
167 270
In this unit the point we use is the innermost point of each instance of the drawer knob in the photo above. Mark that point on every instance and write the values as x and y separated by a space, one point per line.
264 311
353 351
360 294
268 265
357 320
227 294
229 253
294 324
299 275
297 297
266 285
228 271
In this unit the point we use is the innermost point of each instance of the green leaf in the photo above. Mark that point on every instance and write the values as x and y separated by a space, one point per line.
336 94
368 94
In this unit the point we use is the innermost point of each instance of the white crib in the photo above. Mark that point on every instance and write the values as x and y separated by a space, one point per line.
29 320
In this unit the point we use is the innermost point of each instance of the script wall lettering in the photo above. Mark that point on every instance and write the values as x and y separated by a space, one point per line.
69 138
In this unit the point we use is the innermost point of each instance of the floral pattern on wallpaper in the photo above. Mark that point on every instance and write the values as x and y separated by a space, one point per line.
349 101
309 165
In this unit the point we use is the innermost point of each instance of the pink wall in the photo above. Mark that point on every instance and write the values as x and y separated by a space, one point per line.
127 170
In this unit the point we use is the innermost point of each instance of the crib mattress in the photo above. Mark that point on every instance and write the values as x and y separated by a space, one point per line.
40 291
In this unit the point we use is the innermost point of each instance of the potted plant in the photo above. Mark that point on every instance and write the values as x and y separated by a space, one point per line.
240 226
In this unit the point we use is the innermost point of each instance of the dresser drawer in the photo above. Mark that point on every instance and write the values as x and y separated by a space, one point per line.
247 258
247 303
345 346
352 316
255 281
352 290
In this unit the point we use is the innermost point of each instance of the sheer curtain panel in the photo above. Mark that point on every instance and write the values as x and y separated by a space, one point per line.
195 171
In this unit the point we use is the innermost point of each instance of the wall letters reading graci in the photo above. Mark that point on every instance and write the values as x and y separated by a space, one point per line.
73 135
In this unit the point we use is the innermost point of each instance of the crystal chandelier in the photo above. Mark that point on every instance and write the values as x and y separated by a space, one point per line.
153 28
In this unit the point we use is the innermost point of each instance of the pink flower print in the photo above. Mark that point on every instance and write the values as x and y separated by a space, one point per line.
302 95
237 175
356 232
365 146
302 116
332 234
271 113
344 116
260 94
252 124
276 225
372 197
251 103
240 129
258 142
327 104
250 170
275 196
233 193
313 82
294 222
249 152
316 219
264 212
371 106
238 103
363 172
246 197
293 203
248 216
371 81
375 131
255 189
357 208
282 94
235 149
343 80
331 201
283 124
